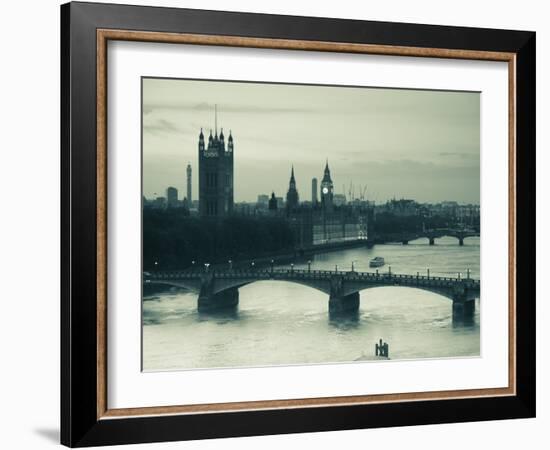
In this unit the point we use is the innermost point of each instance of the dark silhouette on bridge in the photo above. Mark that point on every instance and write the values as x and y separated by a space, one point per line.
218 288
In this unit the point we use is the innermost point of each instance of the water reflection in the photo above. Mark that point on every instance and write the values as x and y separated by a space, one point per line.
344 321
220 316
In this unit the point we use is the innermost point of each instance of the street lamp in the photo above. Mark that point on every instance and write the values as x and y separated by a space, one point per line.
336 267
389 271
291 267
309 265
230 264
156 265
252 264
206 266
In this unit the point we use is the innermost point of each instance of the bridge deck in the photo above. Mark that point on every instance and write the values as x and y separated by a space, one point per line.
312 275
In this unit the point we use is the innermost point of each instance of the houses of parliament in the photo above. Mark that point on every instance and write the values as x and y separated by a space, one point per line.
216 163
322 222
312 222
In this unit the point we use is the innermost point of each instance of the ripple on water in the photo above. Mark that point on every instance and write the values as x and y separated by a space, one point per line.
278 323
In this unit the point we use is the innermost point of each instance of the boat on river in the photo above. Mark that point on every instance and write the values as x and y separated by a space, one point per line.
377 261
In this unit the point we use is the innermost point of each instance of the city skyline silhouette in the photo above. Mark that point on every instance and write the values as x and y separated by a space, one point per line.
397 143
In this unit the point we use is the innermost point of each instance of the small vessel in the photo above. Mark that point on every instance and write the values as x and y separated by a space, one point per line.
382 350
377 261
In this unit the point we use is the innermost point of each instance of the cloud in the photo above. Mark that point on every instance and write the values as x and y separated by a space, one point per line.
163 126
459 155
435 169
227 108
160 126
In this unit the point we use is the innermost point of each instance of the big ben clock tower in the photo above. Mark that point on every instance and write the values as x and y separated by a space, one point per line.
326 190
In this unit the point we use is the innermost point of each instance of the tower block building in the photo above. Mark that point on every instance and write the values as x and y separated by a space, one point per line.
215 174
189 184
314 191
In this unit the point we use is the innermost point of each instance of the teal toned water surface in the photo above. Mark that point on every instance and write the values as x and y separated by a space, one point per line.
281 323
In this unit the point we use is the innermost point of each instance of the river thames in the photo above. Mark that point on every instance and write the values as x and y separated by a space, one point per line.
281 323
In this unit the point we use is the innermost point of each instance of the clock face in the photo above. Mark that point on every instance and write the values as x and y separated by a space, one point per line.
325 190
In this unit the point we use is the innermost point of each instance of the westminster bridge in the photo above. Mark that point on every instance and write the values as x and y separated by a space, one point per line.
219 288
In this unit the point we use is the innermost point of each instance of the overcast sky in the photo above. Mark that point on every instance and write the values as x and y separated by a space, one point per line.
423 145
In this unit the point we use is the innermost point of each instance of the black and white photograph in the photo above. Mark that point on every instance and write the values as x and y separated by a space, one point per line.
304 224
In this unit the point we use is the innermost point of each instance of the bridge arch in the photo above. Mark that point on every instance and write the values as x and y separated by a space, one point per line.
322 286
226 284
185 284
440 292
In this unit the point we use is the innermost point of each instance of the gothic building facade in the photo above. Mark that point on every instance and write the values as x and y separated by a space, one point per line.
215 174
324 221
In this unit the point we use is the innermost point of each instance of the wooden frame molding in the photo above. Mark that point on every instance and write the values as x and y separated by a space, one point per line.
103 36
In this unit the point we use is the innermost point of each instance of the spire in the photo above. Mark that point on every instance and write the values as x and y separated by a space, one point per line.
292 199
230 137
326 176
216 118
201 141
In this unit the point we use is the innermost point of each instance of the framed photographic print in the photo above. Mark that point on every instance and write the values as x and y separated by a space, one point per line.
276 224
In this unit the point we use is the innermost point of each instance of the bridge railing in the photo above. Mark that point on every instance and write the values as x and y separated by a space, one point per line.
291 273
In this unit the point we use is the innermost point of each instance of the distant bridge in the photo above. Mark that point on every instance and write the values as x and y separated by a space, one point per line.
218 288
431 235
